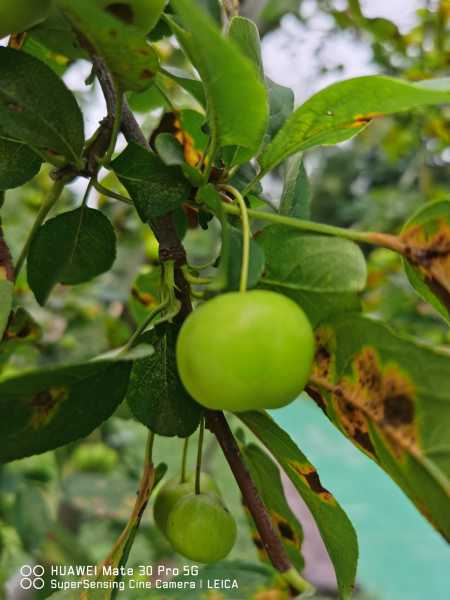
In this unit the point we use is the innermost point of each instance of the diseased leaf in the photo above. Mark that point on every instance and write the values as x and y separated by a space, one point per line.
155 188
156 396
321 273
427 239
391 397
266 475
72 248
36 108
233 119
343 109
18 164
131 59
335 528
43 409
296 198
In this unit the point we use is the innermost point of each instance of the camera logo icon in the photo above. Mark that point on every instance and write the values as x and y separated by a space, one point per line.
31 577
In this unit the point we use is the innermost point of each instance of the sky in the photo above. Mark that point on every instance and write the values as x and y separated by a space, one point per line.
291 53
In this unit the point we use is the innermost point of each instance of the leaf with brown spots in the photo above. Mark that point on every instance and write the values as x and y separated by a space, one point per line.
336 529
427 240
47 408
130 58
391 397
266 475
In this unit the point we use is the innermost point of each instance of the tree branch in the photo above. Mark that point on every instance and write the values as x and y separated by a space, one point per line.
217 423
171 248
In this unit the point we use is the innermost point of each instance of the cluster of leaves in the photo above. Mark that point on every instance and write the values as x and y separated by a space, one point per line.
232 126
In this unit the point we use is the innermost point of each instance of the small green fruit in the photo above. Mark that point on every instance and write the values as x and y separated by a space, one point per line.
201 529
173 490
94 458
143 14
20 15
249 351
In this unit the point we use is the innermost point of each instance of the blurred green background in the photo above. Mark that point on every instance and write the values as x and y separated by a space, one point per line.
69 506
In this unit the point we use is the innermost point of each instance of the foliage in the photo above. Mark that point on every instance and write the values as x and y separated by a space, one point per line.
89 329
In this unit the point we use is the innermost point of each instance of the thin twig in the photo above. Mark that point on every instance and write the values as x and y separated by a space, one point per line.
46 207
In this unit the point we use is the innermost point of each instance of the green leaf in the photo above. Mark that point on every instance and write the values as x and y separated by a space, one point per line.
296 198
236 96
18 164
155 188
6 299
266 475
321 273
391 397
32 525
343 109
213 8
57 35
145 293
72 248
281 105
256 262
193 86
36 108
245 35
335 528
43 409
169 149
427 237
156 396
130 58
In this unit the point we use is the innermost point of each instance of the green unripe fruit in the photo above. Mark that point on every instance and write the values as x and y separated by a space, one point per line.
249 351
173 490
94 458
201 529
143 14
20 15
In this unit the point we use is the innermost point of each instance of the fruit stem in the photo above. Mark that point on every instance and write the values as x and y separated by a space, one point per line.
198 468
45 208
244 214
106 192
140 330
184 460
